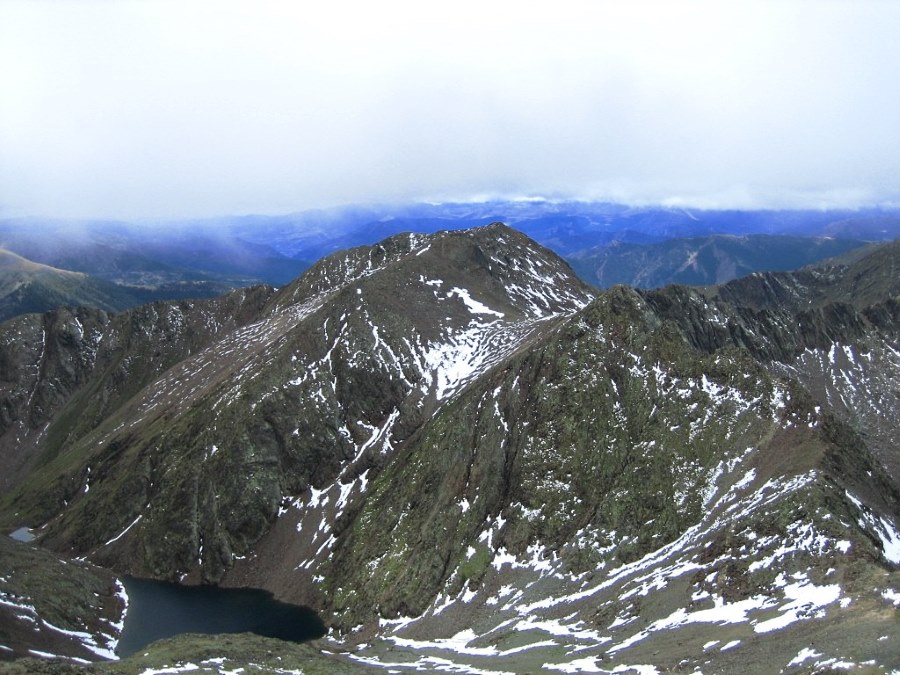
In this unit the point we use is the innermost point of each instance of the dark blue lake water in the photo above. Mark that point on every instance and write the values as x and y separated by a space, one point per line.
159 610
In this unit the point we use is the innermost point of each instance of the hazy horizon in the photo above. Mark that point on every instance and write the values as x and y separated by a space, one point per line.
136 111
411 210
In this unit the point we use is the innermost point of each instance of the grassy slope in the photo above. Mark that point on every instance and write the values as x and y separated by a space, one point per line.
28 287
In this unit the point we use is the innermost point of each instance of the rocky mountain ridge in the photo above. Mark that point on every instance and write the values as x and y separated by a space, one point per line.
465 459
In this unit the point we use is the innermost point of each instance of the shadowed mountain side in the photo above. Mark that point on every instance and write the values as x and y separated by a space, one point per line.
64 372
702 261
375 337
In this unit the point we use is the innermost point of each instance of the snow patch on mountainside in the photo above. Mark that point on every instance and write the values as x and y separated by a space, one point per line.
101 643
524 606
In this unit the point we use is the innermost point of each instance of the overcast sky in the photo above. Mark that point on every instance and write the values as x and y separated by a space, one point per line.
144 109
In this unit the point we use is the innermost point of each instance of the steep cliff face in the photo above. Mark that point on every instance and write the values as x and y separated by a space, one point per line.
63 373
448 444
833 328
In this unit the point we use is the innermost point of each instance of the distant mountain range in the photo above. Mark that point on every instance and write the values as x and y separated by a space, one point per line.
26 287
566 227
113 266
141 256
605 243
699 261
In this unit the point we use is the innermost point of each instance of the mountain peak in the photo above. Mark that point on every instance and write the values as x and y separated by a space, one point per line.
504 262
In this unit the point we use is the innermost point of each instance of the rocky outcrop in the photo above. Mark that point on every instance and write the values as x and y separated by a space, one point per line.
51 606
65 372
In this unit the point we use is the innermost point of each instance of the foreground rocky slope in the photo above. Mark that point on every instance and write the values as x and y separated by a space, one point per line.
447 445
51 606
664 505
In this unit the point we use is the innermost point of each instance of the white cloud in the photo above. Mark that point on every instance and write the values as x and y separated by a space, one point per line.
136 108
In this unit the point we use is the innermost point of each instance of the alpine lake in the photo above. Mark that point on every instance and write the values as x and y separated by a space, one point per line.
158 610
